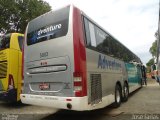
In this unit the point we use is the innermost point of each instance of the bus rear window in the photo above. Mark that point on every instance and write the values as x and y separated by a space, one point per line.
5 42
49 26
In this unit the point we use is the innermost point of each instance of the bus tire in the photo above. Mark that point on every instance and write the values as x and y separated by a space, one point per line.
118 96
125 92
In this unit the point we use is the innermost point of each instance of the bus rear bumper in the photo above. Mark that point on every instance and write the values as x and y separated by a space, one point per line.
70 103
9 96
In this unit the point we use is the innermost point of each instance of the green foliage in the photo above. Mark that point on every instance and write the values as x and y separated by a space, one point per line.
15 14
150 62
153 49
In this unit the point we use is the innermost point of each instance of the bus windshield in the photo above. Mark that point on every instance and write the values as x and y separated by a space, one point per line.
51 25
5 41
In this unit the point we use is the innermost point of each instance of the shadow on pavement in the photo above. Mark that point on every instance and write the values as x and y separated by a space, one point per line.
107 113
17 105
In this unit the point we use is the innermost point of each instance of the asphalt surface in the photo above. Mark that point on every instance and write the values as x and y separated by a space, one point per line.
143 104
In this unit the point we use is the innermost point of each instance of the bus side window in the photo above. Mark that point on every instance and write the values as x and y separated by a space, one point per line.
20 41
92 35
87 32
99 40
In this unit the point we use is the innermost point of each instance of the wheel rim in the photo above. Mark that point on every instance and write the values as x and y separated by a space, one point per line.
126 91
118 98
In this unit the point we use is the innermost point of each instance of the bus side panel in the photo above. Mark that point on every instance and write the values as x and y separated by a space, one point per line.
14 67
106 75
17 67
134 76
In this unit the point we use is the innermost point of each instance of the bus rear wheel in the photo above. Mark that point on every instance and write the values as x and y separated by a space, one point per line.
125 92
118 96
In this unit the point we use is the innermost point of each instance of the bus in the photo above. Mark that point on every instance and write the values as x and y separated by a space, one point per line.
11 67
72 63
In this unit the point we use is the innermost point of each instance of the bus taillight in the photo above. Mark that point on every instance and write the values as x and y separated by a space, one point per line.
10 82
78 84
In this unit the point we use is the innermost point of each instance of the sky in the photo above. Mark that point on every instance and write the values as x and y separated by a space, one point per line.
132 22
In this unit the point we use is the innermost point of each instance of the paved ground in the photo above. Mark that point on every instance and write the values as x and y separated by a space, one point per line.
145 100
143 104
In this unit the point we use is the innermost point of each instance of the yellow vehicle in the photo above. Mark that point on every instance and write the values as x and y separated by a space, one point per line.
11 67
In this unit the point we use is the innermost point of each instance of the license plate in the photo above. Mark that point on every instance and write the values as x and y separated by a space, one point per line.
44 86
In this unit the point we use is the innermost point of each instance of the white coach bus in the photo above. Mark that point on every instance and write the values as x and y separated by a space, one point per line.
70 62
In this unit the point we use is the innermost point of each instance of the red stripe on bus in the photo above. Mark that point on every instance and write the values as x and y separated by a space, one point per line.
79 49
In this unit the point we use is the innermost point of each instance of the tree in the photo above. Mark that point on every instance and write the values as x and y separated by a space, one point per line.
153 49
150 62
15 14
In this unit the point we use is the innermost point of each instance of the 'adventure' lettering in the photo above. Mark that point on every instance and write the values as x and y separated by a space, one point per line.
103 63
49 29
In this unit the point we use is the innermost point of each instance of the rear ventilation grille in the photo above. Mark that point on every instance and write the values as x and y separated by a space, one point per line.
3 69
96 88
